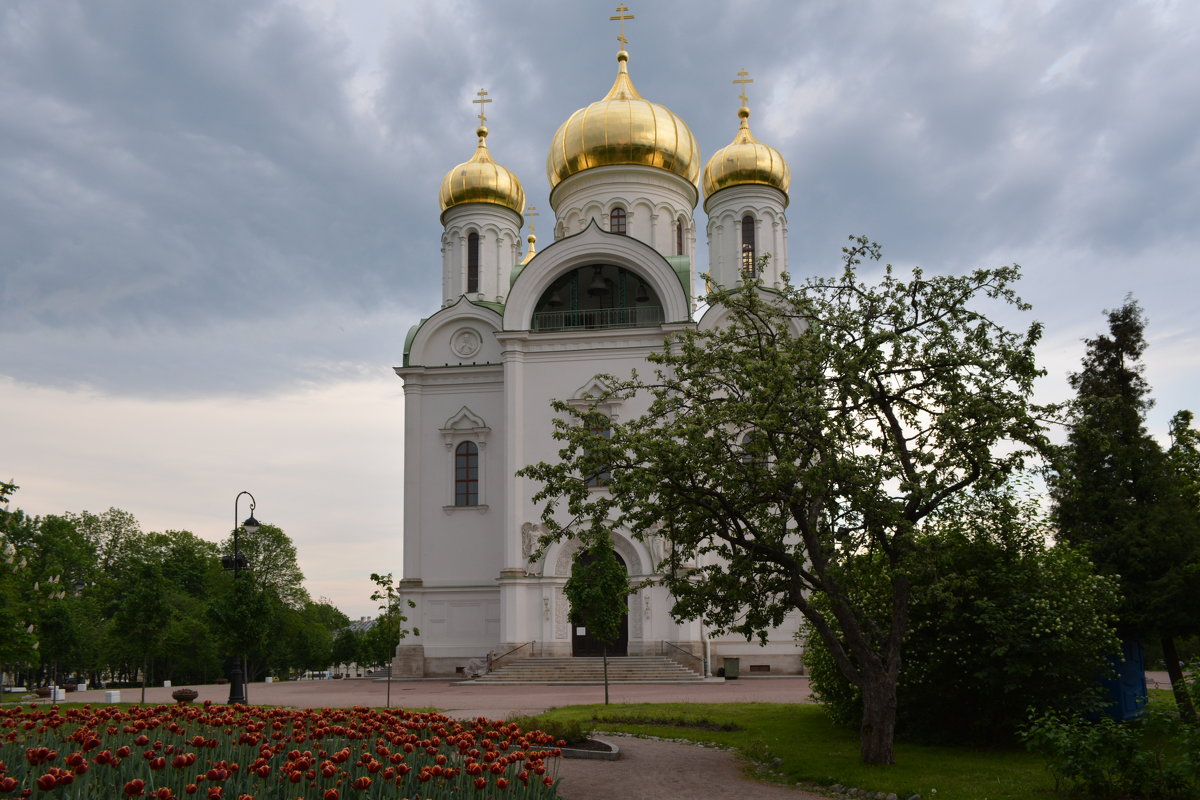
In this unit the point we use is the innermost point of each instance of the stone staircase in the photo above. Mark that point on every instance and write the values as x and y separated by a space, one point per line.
621 669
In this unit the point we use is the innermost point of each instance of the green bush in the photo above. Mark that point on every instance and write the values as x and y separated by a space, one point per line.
999 624
1156 757
570 731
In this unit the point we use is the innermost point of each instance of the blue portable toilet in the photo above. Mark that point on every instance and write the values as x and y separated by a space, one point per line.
1127 686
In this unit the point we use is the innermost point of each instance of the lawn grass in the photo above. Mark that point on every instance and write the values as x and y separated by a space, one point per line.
812 750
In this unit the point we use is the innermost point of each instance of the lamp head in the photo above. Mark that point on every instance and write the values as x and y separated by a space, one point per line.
251 525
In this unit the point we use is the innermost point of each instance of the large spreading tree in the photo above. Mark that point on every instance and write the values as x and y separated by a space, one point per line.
811 427
1132 507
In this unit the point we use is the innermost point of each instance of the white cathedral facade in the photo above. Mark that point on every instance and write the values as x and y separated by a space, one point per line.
517 329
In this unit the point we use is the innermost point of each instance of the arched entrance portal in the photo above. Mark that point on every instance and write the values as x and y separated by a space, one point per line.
583 644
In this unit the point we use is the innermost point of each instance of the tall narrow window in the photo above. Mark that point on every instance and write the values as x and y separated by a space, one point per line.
473 263
754 450
616 221
466 474
748 268
601 475
679 237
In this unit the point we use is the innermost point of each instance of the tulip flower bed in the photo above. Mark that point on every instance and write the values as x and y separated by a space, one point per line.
214 752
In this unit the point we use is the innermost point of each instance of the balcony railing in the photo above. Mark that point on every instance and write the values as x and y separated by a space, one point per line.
592 318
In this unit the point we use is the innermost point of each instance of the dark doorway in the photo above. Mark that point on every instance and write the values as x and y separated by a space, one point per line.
585 645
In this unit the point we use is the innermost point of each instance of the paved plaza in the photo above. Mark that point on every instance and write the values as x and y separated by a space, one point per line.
464 699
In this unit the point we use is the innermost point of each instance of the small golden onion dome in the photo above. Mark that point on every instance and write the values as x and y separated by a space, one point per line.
532 249
746 160
623 128
482 180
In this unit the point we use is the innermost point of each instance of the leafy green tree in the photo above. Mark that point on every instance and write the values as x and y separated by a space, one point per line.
327 614
999 624
347 647
1120 498
141 618
45 569
18 644
598 593
390 627
272 563
810 427
253 608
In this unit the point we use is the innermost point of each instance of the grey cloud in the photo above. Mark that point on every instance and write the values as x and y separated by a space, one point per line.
172 170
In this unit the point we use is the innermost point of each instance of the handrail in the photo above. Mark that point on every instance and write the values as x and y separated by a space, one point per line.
687 653
589 318
515 649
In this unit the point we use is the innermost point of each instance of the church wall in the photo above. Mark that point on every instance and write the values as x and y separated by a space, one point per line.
446 544
653 199
499 250
451 552
726 209
540 367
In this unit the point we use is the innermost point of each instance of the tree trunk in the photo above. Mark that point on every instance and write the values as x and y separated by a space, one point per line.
1183 700
878 731
604 652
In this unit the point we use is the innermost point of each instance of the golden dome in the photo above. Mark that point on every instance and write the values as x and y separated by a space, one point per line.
482 180
746 160
623 128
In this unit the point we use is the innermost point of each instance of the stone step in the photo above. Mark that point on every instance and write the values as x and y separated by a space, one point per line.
624 669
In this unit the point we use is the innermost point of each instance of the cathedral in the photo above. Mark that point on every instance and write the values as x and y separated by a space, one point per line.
519 326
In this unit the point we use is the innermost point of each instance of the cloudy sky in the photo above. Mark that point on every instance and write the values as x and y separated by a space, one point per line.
218 220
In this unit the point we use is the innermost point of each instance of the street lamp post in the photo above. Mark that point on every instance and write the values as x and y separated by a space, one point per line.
237 563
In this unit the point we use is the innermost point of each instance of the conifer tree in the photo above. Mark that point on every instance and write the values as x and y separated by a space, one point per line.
1118 497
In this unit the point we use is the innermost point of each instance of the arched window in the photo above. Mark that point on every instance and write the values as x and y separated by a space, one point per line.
679 237
748 266
616 221
755 450
473 262
466 474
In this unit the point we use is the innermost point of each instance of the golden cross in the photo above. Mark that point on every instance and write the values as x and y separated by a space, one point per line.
743 78
482 99
621 17
531 212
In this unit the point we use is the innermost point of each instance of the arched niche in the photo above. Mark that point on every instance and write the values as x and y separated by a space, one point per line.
587 250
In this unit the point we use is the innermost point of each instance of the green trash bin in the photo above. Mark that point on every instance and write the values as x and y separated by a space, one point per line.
732 666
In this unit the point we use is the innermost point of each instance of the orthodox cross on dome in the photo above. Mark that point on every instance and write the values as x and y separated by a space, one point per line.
620 18
482 99
743 78
531 211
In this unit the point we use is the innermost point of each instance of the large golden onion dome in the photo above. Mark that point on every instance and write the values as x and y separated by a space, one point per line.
623 128
746 160
482 180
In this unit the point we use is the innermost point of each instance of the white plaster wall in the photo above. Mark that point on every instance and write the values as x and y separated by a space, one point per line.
725 211
653 199
447 545
539 367
499 230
